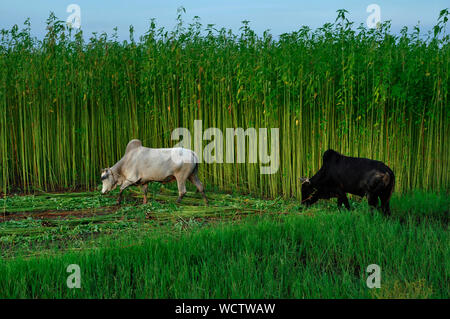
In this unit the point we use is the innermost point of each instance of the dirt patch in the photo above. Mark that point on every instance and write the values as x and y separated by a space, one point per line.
52 214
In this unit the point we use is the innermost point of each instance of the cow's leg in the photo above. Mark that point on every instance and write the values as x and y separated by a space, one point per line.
373 200
144 190
194 179
119 199
384 198
342 199
181 188
122 188
385 208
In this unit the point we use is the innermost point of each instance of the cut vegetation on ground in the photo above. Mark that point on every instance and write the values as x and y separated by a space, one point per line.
239 247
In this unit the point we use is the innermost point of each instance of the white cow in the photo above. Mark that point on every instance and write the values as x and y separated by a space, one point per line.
141 165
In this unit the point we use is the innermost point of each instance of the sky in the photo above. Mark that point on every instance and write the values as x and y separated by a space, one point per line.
278 16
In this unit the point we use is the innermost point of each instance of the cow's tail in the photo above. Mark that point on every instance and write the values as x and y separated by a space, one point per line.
392 184
385 195
195 160
195 170
389 178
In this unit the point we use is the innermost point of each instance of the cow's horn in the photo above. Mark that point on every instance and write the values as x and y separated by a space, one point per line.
304 180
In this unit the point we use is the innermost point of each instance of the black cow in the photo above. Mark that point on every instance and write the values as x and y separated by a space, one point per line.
341 174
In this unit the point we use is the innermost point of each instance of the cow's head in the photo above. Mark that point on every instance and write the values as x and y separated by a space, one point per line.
108 180
309 192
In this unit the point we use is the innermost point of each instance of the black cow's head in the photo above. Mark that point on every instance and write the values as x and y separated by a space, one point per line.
309 192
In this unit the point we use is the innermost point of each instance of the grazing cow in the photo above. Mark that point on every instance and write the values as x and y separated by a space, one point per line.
341 174
141 165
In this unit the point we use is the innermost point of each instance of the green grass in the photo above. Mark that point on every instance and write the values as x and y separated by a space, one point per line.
238 247
68 107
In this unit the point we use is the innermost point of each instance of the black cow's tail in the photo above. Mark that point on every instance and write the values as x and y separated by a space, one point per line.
391 183
386 195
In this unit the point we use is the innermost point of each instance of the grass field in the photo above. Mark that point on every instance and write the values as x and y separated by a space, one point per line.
238 247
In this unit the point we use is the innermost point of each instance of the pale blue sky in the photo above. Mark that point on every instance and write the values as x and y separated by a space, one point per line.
278 16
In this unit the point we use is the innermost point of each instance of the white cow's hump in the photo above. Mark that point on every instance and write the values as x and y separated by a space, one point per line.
133 144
